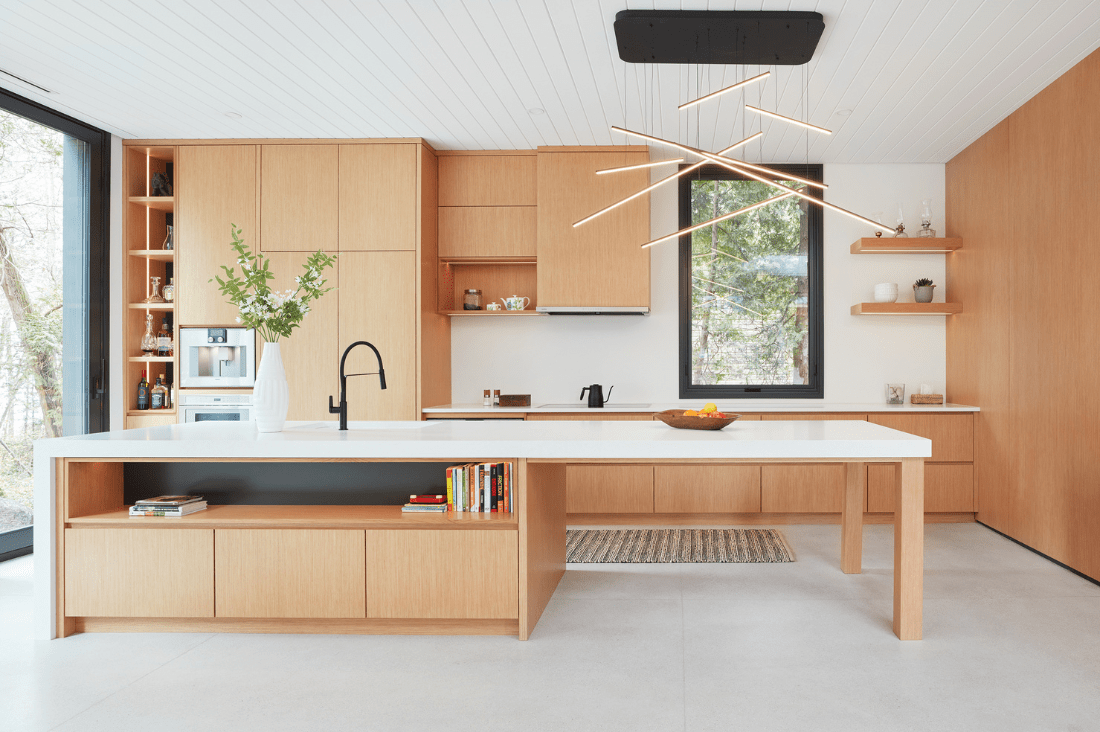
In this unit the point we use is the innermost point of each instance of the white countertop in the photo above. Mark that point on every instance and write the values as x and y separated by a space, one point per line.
742 407
446 440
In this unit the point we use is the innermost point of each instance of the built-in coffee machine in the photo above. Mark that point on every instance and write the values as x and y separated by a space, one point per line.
217 357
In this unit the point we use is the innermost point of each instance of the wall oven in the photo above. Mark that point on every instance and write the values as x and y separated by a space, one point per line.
217 357
215 407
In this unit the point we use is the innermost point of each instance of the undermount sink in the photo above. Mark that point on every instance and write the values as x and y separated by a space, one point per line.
355 426
584 406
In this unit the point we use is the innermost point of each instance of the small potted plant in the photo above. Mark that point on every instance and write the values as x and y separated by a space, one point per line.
922 290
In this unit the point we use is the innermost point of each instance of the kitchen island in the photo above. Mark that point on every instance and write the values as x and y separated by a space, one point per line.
303 566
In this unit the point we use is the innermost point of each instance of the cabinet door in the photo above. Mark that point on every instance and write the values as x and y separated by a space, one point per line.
378 305
139 573
216 187
706 489
948 488
378 197
299 198
487 231
600 262
802 488
290 573
442 574
952 435
609 489
488 180
310 355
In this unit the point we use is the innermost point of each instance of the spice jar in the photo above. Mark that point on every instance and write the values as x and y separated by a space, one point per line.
471 300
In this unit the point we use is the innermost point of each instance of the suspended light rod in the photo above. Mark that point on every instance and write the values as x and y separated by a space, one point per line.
738 85
639 166
723 217
793 121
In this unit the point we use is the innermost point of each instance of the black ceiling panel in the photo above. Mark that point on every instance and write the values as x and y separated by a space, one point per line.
755 37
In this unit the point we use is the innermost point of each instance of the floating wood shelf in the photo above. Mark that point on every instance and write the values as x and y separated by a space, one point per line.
907 308
162 254
906 245
152 359
152 306
160 203
494 313
313 517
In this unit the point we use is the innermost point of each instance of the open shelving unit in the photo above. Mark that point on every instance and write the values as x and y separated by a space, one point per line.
906 245
907 308
496 277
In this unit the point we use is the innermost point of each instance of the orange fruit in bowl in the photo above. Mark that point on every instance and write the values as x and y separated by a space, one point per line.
691 413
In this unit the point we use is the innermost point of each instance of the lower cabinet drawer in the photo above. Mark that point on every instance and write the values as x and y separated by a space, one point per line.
802 488
948 488
706 488
609 489
290 573
442 574
139 573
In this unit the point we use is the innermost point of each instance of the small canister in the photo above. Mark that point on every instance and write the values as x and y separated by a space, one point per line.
471 300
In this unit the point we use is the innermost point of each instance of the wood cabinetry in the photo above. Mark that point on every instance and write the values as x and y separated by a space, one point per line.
442 574
952 435
489 178
600 263
609 489
948 488
216 186
127 573
706 489
802 488
299 198
378 197
289 573
487 231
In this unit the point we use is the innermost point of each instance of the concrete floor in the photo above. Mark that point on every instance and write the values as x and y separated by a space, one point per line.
1012 642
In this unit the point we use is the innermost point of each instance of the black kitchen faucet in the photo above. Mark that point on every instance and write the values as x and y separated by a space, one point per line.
342 410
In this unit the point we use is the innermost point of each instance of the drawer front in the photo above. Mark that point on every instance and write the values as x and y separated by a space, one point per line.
812 416
609 489
948 488
442 574
706 489
139 573
802 488
290 573
952 435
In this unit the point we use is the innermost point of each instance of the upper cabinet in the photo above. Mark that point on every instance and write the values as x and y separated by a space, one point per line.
487 204
600 263
215 187
299 198
378 197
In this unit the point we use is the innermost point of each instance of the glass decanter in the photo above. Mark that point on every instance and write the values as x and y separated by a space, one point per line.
169 291
168 242
926 229
900 230
879 217
154 296
149 340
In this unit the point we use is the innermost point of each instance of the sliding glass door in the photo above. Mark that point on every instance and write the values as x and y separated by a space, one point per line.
53 294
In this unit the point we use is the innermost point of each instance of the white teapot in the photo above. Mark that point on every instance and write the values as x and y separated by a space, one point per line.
515 302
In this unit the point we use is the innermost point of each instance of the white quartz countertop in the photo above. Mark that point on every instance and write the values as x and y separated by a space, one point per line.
739 408
488 439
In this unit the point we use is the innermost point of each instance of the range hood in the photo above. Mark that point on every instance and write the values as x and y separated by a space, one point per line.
593 310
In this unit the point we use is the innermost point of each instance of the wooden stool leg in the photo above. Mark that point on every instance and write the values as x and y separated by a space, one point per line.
851 519
909 549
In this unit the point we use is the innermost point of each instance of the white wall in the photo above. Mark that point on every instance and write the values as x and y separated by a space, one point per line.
551 358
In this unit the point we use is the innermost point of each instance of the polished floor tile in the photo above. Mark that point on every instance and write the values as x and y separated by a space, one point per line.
1010 644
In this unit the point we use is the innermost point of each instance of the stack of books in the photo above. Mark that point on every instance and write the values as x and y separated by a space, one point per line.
480 488
426 504
168 506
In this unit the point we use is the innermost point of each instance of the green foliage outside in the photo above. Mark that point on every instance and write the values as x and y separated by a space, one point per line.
749 287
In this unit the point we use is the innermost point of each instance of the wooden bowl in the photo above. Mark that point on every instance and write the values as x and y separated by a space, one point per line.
675 418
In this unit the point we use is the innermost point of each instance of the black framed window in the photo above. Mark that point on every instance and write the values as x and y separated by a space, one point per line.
751 289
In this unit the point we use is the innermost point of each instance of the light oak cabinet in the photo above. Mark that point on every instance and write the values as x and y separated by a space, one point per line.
215 187
378 197
299 198
600 263
139 573
487 231
802 488
289 573
706 489
609 489
492 178
952 435
442 574
948 488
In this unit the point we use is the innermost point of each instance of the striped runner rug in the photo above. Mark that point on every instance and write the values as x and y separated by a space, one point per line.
637 546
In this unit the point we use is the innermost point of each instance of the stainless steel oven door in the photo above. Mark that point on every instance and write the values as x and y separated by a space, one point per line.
217 357
215 408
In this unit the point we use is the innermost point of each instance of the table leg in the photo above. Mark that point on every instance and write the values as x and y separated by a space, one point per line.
909 549
851 519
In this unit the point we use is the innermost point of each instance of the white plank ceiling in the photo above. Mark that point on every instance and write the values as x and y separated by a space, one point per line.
896 80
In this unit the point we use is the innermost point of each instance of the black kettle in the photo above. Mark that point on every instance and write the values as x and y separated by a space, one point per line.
595 396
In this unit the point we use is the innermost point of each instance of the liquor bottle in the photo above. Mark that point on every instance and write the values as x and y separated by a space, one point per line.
169 291
164 339
148 340
143 393
158 394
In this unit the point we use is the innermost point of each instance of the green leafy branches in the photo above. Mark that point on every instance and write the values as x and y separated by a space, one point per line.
272 313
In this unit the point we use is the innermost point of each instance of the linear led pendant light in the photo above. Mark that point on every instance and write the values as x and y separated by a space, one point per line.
661 182
723 217
605 171
738 85
793 121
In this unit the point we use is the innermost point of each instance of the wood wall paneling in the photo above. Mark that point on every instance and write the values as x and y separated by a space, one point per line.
488 180
487 231
952 435
378 197
126 573
802 488
442 574
609 489
948 487
706 488
299 198
289 573
216 186
434 347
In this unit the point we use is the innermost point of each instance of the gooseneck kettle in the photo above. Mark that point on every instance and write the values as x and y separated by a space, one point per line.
596 399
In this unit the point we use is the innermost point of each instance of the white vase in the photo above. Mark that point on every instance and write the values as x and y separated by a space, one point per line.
270 395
